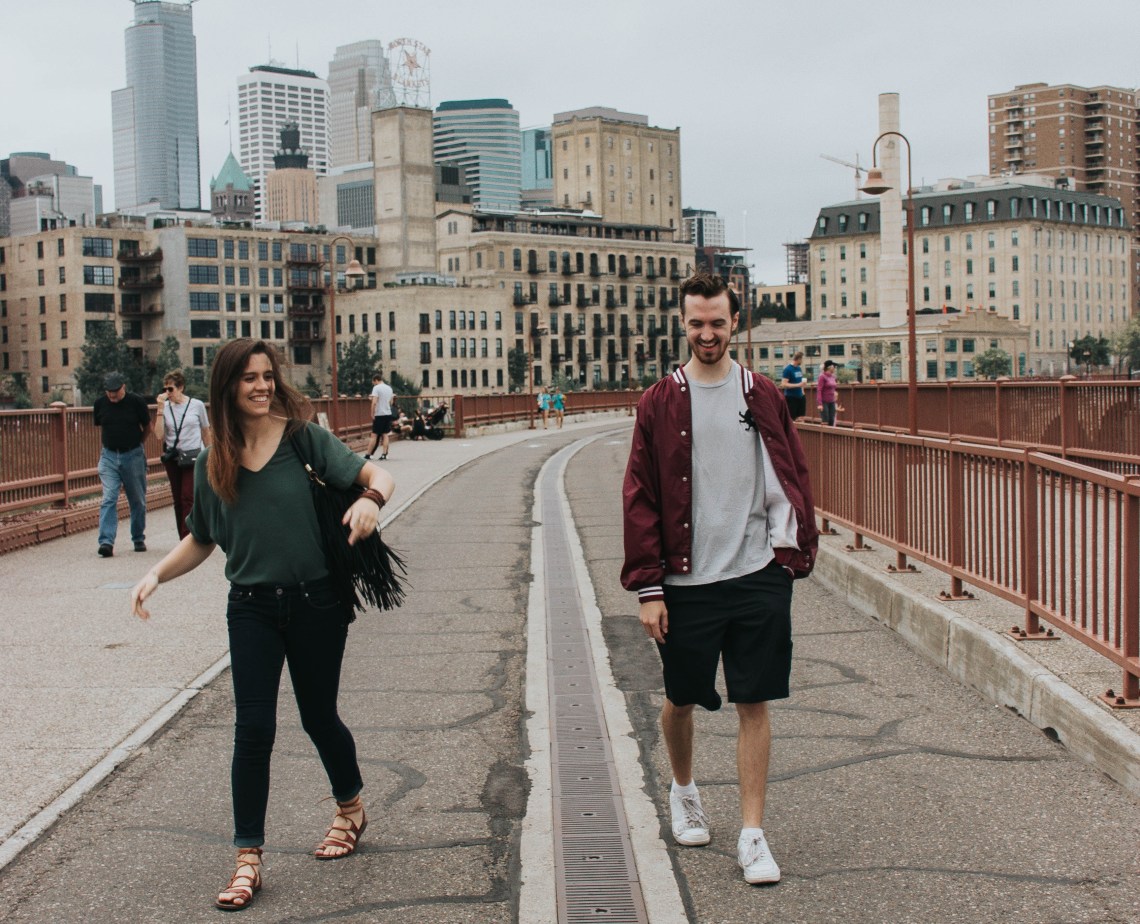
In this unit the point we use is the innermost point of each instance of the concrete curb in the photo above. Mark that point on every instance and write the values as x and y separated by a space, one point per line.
989 663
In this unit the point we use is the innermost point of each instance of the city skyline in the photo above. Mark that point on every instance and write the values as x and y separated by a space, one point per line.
758 96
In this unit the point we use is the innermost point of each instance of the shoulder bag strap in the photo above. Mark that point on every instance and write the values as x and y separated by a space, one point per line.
178 424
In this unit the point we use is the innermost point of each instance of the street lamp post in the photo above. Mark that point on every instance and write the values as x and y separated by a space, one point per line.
875 185
535 333
352 271
741 272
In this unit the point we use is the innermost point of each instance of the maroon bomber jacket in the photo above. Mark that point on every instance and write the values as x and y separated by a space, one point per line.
657 497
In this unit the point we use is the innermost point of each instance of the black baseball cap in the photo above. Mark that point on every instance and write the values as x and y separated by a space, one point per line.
828 364
113 381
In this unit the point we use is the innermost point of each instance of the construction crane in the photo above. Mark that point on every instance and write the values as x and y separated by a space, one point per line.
859 171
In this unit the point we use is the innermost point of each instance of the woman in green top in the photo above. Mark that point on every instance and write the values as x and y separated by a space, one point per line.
252 498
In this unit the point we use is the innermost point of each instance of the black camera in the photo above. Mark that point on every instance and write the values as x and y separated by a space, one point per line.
169 455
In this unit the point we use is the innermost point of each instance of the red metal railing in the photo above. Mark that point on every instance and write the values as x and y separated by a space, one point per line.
1096 422
481 410
1058 538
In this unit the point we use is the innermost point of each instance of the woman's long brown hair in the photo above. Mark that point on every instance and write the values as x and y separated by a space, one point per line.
229 366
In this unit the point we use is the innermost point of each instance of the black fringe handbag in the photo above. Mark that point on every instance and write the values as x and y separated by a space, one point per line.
368 569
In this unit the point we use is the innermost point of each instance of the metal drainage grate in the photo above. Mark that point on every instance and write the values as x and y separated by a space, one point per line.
596 878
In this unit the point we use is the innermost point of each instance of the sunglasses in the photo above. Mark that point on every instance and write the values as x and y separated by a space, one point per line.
168 389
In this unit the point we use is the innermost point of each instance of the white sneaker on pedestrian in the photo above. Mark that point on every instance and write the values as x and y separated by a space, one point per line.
756 859
690 823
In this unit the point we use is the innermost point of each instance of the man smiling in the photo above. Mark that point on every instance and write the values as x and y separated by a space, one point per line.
718 521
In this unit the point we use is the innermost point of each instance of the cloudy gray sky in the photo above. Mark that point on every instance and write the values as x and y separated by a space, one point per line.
759 88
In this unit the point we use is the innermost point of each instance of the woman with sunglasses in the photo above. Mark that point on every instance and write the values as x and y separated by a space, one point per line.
181 425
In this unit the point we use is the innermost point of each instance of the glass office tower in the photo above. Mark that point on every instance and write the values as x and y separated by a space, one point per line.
155 116
482 137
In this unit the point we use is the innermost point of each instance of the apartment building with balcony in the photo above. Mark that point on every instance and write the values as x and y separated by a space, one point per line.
197 282
596 302
1086 135
1051 259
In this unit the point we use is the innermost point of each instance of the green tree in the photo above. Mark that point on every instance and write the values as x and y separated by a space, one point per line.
312 388
15 386
992 363
402 386
517 360
105 351
1090 351
356 365
1126 344
166 362
198 377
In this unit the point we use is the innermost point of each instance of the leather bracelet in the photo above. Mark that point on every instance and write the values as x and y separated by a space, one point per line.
375 496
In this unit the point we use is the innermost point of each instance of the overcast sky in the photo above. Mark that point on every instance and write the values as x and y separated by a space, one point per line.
759 88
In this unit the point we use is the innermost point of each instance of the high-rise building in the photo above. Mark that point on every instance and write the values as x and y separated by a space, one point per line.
1085 135
537 168
269 97
360 82
155 116
44 194
617 165
291 187
482 137
702 228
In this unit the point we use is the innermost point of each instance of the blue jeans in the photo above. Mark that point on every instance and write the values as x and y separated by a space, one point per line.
306 626
126 470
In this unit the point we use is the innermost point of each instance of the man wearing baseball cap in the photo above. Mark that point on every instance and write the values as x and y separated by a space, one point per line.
123 419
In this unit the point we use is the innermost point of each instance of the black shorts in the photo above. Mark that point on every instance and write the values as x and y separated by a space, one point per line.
747 621
382 424
797 406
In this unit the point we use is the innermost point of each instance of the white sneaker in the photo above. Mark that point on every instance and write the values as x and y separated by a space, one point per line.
756 860
690 823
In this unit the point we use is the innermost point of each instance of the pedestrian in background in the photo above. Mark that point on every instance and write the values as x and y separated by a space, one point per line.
718 521
544 406
252 497
123 419
792 382
381 416
827 393
181 426
558 404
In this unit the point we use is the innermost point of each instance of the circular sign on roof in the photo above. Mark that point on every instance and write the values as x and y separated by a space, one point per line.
409 60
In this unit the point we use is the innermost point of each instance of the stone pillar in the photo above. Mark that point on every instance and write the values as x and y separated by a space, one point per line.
892 272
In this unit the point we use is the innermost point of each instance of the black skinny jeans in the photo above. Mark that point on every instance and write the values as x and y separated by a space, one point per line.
306 626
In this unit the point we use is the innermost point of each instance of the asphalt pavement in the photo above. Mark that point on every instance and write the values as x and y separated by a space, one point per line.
898 794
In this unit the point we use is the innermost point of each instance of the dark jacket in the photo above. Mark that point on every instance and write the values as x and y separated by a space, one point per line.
657 497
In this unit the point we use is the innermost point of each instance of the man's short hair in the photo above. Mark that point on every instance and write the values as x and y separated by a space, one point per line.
799 354
377 376
707 285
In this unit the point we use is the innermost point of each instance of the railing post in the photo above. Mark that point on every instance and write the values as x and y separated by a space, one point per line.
1068 414
955 523
1030 563
1129 600
998 429
59 450
457 414
901 538
860 485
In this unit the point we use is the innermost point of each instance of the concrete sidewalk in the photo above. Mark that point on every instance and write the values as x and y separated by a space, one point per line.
80 687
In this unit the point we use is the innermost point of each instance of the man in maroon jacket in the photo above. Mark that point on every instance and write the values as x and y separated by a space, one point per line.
718 522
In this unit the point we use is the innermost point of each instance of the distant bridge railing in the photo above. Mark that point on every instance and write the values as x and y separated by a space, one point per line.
471 411
1058 538
1095 422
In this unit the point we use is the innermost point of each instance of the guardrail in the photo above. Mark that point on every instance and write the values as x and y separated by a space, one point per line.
1097 422
1058 538
470 411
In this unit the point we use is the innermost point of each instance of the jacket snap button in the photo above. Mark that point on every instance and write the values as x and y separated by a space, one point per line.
684 477
683 433
686 526
684 567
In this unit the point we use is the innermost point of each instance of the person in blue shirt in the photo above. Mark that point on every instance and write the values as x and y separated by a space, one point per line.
792 382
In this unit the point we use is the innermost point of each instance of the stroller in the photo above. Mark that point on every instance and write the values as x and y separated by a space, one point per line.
431 424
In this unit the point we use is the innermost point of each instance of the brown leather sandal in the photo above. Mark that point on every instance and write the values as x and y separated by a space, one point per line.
245 882
346 837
